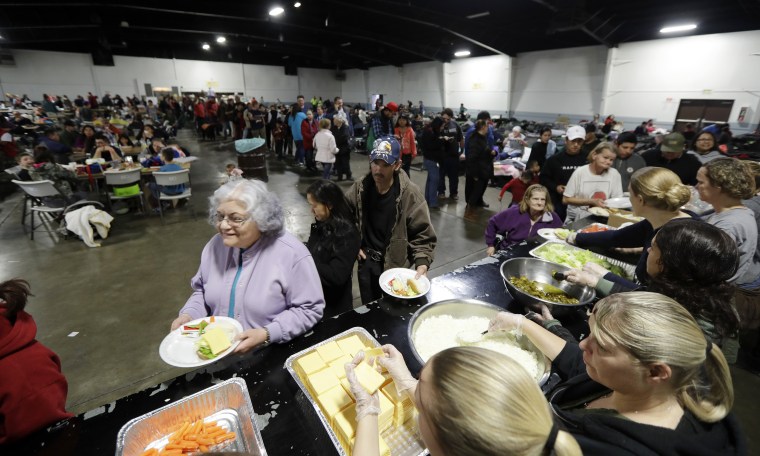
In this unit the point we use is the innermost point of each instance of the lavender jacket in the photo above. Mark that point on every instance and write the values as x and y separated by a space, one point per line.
278 287
515 226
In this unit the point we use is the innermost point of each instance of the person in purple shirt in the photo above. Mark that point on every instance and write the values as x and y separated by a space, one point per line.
254 271
522 221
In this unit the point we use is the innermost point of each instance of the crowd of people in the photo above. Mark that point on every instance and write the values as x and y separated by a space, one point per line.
651 378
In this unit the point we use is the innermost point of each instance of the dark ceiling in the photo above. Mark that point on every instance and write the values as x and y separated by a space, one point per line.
342 34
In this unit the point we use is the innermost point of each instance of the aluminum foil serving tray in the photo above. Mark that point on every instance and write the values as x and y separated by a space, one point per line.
228 403
402 441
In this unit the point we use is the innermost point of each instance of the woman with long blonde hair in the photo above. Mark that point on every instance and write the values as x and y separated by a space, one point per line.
645 381
471 402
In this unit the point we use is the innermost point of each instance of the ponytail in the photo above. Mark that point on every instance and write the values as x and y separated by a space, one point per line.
711 397
565 445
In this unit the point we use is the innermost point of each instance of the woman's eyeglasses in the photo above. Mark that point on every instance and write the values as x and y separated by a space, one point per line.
233 221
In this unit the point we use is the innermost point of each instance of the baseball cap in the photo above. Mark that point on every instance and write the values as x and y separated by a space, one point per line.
672 143
576 132
392 106
385 148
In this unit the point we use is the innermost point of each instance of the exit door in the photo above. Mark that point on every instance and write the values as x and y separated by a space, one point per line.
702 113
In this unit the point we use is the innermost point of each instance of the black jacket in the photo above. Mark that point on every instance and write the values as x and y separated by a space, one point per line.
341 139
431 143
603 434
479 158
334 248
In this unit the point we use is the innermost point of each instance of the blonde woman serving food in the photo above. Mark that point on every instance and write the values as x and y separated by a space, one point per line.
471 402
645 380
592 184
656 194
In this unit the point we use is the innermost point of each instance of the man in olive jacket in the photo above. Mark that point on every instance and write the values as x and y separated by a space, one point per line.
393 219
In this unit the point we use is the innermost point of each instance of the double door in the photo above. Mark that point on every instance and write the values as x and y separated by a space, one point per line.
701 113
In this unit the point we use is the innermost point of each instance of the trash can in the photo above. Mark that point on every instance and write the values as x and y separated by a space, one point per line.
252 158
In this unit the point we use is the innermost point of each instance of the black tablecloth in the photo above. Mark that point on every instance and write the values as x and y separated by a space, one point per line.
293 427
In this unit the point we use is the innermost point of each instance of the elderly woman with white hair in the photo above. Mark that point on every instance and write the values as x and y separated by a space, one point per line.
514 144
254 271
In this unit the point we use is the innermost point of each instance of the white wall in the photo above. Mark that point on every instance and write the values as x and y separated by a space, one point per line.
36 73
386 80
480 83
423 81
566 82
649 78
354 88
319 82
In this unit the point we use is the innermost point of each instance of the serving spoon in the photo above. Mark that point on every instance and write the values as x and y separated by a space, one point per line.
470 337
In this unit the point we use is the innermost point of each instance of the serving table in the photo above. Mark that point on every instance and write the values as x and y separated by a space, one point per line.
289 424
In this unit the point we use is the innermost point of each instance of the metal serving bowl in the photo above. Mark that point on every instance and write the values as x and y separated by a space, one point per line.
464 308
541 271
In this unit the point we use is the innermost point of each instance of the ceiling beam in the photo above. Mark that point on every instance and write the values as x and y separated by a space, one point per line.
405 18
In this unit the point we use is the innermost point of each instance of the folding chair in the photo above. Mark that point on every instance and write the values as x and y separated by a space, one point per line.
170 178
36 192
124 178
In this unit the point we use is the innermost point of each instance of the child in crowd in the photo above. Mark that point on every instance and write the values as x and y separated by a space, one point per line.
33 389
233 173
518 186
279 138
25 162
167 153
325 147
535 169
405 135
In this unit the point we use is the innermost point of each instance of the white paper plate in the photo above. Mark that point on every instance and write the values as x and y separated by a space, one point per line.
179 350
599 211
550 234
618 203
403 274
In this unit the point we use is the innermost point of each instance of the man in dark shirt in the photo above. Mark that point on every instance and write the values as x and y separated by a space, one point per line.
671 156
591 141
453 147
392 218
560 166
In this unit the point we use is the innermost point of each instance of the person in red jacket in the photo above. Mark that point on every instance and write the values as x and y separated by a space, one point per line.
309 129
32 387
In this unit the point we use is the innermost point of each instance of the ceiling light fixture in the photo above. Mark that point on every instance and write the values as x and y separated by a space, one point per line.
276 11
221 39
206 46
477 15
678 28
462 53
346 44
297 4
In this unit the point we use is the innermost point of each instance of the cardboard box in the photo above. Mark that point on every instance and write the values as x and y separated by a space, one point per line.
621 217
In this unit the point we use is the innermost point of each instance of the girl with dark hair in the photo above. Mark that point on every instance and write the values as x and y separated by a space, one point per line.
33 389
334 243
692 263
86 141
544 148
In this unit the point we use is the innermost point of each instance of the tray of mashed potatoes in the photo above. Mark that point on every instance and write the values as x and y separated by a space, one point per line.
320 373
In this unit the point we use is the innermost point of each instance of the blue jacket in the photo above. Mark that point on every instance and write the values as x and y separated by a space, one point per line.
295 126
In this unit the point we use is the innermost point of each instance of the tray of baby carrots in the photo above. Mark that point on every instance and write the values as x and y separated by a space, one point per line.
191 438
219 418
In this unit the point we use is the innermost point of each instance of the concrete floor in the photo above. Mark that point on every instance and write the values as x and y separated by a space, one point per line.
105 310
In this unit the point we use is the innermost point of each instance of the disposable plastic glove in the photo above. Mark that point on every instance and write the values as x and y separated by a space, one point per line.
583 277
594 268
394 363
366 404
507 321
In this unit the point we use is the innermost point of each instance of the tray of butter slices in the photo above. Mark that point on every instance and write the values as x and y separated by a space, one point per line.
320 373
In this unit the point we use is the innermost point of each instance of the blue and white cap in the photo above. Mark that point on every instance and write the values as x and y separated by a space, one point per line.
385 148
